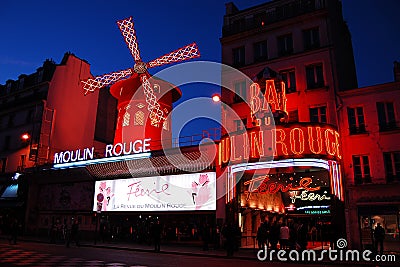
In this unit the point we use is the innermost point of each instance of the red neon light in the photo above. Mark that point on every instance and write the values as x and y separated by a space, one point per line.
269 187
273 99
128 31
296 141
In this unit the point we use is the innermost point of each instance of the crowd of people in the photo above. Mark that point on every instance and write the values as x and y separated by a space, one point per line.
292 235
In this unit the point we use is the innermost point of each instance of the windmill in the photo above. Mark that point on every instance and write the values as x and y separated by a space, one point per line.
124 89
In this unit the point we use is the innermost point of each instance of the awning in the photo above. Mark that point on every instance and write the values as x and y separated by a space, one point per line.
10 192
11 204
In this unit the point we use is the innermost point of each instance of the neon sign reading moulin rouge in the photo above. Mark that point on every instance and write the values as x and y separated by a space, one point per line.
112 150
287 141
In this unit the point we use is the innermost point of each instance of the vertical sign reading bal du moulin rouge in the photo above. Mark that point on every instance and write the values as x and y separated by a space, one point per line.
195 191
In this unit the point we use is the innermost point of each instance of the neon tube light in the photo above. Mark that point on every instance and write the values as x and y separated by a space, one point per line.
281 164
99 161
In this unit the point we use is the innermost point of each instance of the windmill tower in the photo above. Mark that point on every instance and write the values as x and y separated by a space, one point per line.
144 102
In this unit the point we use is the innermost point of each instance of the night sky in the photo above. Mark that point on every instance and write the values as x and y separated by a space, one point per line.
32 31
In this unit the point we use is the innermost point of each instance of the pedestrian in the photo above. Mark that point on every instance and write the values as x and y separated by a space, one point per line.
261 236
302 236
156 233
274 235
229 233
205 235
13 231
284 236
74 233
379 235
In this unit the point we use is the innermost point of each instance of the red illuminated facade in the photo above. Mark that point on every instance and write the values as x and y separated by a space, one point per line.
306 46
328 151
370 137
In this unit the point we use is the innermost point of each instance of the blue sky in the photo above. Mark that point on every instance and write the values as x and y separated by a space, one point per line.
32 31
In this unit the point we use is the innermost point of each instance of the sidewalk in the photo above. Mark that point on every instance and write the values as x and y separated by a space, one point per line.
184 249
169 248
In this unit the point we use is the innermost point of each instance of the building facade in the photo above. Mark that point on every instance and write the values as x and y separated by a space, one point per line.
370 139
41 114
307 45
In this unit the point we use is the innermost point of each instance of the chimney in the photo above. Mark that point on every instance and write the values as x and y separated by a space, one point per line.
230 9
396 71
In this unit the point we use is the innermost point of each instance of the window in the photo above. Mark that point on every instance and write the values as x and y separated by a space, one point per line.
260 51
289 79
238 56
294 116
39 76
315 76
361 169
240 91
7 141
22 163
285 45
386 117
318 114
8 86
3 165
356 120
11 119
139 118
392 166
21 83
311 38
127 116
29 116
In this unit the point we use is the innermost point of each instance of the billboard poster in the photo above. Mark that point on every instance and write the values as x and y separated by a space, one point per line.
184 192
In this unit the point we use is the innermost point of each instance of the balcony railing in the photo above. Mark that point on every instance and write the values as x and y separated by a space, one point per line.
358 129
388 126
290 10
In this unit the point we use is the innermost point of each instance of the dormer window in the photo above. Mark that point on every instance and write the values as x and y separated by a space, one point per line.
8 86
21 82
39 76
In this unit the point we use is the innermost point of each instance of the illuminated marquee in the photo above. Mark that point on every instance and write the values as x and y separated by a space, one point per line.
295 192
184 192
112 150
296 141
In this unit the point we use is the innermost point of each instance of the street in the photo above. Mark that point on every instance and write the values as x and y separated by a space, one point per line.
42 254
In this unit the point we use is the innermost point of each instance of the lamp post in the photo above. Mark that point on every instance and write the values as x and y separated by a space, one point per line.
216 98
25 137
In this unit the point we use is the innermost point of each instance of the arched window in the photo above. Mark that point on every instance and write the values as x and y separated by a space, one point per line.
139 118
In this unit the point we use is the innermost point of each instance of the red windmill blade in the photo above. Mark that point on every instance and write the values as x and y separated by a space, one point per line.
127 29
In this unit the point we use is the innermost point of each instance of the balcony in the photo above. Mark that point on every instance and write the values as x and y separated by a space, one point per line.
279 13
388 126
357 129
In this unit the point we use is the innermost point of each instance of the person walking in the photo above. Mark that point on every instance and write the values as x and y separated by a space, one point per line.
261 236
379 235
274 235
230 235
13 231
156 233
284 236
302 235
74 234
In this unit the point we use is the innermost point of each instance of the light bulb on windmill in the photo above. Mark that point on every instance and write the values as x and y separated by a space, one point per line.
149 122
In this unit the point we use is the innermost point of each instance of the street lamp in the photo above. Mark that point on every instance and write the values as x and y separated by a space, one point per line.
25 136
216 98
